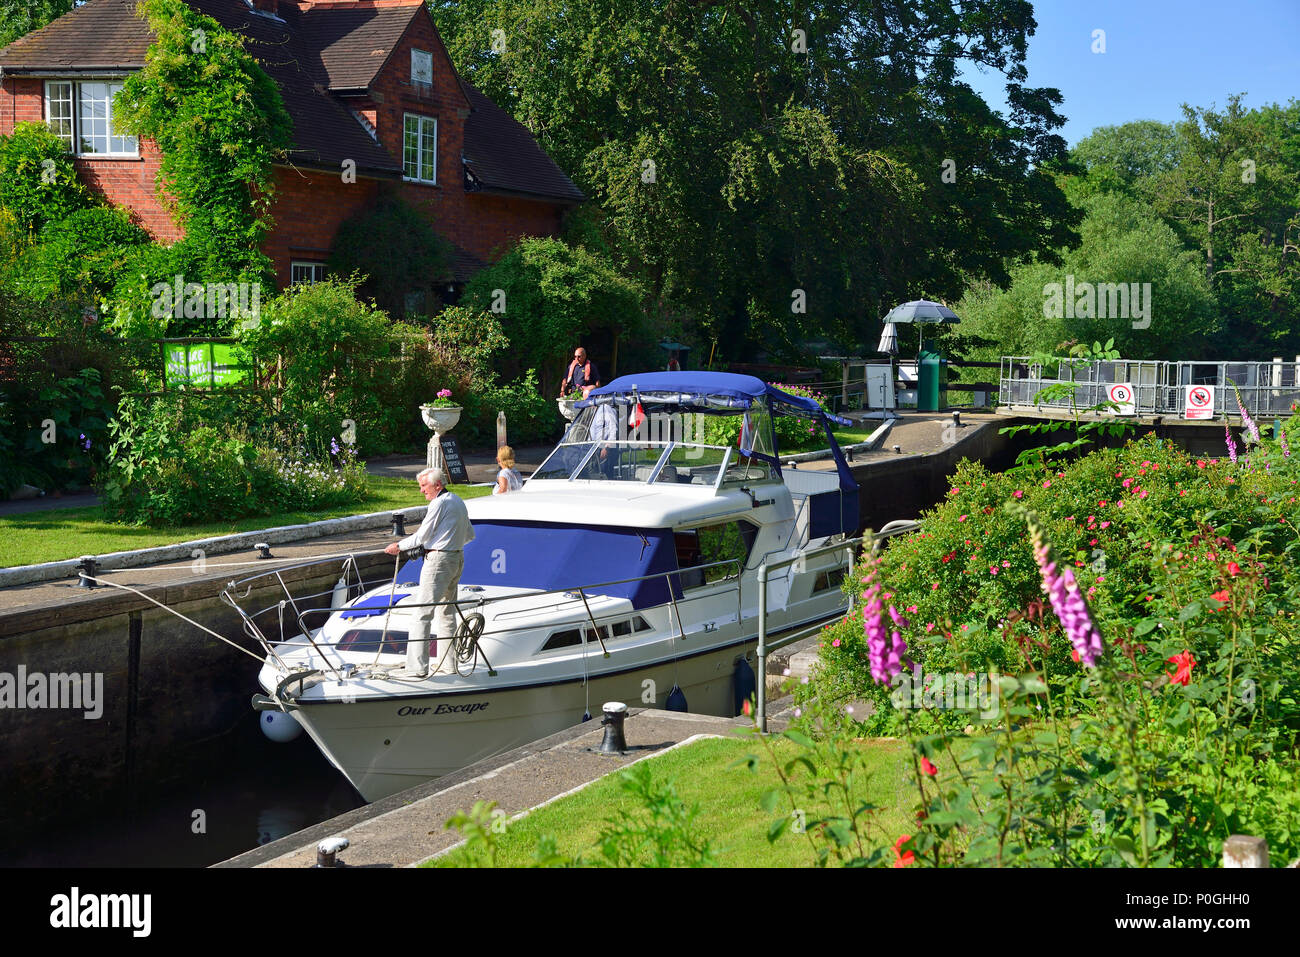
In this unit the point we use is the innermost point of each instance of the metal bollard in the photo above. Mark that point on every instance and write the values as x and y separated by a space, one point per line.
88 571
328 849
614 742
399 525
264 550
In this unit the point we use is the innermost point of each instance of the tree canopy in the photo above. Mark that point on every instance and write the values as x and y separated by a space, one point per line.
780 170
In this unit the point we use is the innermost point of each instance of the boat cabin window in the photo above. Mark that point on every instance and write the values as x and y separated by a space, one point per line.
622 629
729 542
563 639
573 636
829 579
367 640
702 449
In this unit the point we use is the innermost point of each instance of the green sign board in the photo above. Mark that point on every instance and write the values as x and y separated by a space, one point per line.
206 365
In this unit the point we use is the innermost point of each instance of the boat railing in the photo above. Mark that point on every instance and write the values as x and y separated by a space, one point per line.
573 592
766 646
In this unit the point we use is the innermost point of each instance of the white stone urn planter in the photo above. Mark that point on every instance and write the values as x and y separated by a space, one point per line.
441 419
567 408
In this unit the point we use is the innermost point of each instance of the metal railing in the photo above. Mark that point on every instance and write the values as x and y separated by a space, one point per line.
1159 388
575 593
766 646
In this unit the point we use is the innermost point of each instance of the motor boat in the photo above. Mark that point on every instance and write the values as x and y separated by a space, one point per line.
627 568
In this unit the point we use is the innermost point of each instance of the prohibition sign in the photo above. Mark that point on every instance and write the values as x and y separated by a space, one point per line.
1199 402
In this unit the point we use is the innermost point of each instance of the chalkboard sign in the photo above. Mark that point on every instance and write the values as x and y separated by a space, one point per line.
452 463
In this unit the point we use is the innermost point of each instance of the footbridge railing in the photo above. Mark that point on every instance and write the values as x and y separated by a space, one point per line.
1156 388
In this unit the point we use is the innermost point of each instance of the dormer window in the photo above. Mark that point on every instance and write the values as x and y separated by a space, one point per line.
421 68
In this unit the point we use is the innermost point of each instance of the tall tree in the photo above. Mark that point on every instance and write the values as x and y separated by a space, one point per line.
782 169
1235 196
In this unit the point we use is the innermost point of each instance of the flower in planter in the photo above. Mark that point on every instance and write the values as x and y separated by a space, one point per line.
444 400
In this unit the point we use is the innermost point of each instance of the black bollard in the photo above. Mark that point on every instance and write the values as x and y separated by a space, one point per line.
399 525
88 571
614 742
264 549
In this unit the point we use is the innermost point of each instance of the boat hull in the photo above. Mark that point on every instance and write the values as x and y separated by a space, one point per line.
388 745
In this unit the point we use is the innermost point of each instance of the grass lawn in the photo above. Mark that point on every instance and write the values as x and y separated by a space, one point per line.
59 533
706 773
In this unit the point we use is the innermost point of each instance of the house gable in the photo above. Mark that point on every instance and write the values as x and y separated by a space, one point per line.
343 68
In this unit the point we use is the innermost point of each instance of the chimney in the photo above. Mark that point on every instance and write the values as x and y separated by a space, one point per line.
267 6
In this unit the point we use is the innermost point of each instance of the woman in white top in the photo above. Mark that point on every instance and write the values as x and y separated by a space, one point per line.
508 479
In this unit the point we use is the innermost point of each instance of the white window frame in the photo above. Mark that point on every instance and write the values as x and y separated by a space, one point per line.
114 85
422 121
426 56
317 271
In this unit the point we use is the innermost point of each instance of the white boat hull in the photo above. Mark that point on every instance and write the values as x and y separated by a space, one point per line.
390 744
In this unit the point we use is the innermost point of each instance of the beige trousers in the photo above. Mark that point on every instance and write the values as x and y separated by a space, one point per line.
439 582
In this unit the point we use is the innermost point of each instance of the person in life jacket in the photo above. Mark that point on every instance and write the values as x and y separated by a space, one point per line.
582 374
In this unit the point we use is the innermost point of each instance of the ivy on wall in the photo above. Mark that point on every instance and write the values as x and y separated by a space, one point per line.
220 124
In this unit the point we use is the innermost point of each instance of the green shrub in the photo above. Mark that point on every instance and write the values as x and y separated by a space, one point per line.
38 182
82 254
179 459
392 245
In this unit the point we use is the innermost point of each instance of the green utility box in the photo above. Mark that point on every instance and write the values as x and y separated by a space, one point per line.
932 385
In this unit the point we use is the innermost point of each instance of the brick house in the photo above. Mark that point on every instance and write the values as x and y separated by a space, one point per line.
376 104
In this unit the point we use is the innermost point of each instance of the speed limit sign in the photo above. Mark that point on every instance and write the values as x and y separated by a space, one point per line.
1198 402
1121 393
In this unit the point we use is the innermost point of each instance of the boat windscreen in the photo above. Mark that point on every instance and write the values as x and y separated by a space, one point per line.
527 555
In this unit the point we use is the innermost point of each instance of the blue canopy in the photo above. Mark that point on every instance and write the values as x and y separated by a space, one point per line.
723 393
720 392
549 557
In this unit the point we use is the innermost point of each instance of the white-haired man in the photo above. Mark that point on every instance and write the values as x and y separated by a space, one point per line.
441 537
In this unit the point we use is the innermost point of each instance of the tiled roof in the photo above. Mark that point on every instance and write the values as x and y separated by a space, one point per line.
324 131
98 34
351 44
503 156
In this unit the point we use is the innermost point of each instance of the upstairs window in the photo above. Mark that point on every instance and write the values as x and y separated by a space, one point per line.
421 68
420 148
81 114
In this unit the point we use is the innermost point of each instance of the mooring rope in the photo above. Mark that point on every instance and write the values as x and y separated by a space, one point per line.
141 594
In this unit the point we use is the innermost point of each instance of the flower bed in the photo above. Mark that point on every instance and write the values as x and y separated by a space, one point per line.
1145 602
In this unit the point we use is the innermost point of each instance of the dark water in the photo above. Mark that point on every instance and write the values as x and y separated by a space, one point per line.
249 790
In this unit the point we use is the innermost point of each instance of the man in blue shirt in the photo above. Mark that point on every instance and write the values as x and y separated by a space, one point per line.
442 537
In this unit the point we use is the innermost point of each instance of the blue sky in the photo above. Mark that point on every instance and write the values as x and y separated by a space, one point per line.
1159 54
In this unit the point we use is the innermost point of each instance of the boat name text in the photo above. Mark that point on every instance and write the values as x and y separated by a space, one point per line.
469 708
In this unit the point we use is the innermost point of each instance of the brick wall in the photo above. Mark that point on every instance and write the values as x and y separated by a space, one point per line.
493 223
123 182
308 209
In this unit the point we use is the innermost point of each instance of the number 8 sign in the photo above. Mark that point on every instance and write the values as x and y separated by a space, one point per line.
1121 393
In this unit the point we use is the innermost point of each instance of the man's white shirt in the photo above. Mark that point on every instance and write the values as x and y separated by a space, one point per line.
446 526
